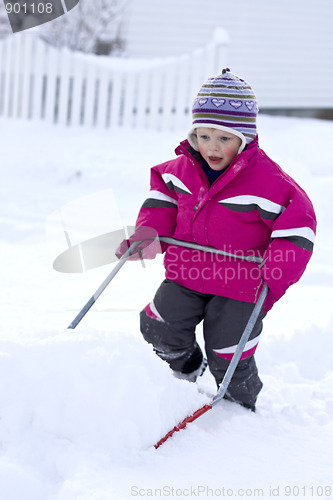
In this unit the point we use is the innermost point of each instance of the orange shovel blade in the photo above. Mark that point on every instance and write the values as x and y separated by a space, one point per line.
184 422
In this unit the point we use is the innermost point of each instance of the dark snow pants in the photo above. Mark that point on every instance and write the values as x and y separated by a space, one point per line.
169 322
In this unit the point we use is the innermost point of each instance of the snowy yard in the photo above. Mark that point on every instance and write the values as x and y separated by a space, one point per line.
80 410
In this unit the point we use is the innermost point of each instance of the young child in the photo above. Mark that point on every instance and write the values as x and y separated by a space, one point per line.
221 191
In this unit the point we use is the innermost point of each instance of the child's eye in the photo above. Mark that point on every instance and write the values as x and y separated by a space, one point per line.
204 137
224 138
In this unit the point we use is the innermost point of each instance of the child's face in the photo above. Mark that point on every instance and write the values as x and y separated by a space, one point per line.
217 147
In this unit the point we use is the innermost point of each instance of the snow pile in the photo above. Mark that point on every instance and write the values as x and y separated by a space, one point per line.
86 398
69 387
81 410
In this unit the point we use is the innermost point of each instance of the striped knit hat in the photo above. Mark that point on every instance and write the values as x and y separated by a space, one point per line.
227 103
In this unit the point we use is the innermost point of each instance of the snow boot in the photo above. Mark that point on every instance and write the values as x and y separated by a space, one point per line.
192 377
248 406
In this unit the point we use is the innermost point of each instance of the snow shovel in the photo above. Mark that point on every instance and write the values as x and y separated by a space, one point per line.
129 252
229 373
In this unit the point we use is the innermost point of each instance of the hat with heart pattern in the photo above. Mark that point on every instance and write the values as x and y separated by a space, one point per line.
228 103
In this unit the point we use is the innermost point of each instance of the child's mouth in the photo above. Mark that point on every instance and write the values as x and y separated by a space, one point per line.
214 159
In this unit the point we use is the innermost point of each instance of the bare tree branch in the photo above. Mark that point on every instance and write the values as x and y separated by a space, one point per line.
90 24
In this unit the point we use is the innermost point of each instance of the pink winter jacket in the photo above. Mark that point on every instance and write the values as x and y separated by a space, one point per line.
253 208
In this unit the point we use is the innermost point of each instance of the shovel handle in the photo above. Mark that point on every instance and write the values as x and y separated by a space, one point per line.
105 283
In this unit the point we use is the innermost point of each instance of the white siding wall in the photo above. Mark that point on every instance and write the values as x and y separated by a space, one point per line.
284 48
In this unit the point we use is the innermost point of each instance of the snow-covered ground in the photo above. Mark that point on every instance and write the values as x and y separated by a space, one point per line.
80 410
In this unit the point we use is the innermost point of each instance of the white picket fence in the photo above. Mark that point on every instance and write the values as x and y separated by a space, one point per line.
40 82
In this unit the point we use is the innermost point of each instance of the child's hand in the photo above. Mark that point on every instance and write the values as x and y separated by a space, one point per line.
124 245
148 247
